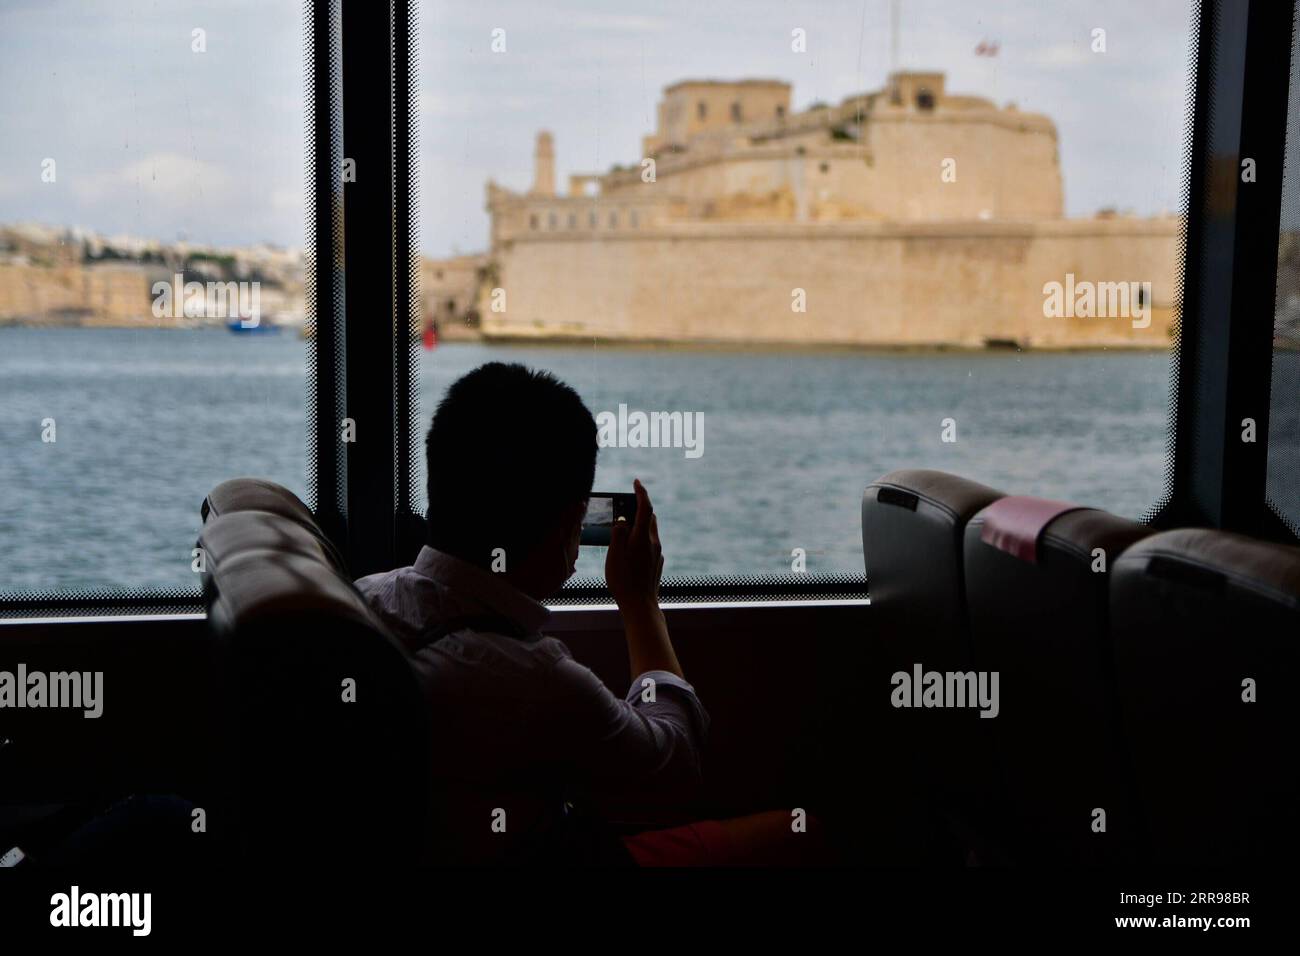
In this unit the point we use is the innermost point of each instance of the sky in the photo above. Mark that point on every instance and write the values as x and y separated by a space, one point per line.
153 139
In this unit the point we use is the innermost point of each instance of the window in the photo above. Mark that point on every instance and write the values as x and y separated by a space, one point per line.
152 300
809 350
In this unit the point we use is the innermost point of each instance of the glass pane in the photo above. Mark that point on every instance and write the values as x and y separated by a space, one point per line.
151 199
841 241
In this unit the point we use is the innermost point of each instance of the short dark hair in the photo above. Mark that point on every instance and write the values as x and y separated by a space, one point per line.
509 448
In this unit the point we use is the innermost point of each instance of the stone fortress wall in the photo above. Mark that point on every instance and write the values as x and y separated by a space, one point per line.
750 203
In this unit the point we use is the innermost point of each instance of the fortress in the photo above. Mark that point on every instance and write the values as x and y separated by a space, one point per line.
905 217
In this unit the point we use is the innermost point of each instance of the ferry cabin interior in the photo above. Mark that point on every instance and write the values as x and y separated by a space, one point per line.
1129 695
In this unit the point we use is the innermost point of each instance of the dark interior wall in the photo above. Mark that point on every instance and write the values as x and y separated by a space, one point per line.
777 682
156 732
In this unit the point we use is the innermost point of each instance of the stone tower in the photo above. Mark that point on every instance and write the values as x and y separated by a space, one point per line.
544 166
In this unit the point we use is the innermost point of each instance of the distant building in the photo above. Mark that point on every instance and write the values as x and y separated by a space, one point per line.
907 216
449 291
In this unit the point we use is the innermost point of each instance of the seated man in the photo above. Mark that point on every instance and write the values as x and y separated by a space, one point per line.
520 727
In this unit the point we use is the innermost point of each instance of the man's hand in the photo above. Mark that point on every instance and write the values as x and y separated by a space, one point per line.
635 561
633 567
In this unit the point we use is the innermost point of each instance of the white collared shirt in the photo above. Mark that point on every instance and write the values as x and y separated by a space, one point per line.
518 723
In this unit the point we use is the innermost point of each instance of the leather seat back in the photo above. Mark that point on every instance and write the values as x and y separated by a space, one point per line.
1039 618
912 527
331 755
1207 627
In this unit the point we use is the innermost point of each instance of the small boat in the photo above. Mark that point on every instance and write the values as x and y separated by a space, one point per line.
261 328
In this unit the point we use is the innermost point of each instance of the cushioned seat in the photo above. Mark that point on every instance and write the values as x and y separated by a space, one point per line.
257 494
1037 576
1206 627
330 738
912 527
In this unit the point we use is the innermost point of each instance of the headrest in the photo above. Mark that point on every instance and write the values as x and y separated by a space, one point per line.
1014 523
263 566
1218 563
953 494
912 525
257 494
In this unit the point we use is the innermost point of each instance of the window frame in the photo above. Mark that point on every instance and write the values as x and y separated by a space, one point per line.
362 492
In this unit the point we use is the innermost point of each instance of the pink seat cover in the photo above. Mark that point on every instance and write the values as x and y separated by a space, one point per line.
1013 524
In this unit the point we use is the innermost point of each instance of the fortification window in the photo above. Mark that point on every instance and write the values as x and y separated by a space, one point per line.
592 221
552 221
825 167
573 220
780 111
532 221
632 219
701 109
735 112
924 100
613 219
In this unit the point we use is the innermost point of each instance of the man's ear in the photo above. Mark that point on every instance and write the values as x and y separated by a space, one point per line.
574 513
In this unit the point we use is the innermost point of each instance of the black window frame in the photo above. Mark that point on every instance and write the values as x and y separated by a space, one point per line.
363 493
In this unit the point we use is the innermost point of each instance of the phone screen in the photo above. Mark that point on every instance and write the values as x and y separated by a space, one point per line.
603 509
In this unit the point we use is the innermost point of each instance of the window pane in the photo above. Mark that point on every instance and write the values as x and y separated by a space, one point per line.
843 264
965 258
144 150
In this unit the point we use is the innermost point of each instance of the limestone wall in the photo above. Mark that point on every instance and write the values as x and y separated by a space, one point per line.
1005 166
108 294
866 284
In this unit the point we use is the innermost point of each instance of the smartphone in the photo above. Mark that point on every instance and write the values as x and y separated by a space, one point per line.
603 509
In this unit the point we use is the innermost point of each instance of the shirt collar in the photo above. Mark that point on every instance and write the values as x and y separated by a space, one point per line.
486 587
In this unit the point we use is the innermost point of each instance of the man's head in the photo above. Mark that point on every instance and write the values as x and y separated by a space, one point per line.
511 461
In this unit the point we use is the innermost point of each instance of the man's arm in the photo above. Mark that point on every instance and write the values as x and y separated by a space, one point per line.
650 738
633 567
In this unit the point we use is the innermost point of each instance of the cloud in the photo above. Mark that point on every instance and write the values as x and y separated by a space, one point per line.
434 104
1058 55
165 178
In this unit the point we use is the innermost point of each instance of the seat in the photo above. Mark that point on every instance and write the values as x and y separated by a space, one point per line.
912 527
329 728
258 494
1206 627
1037 576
